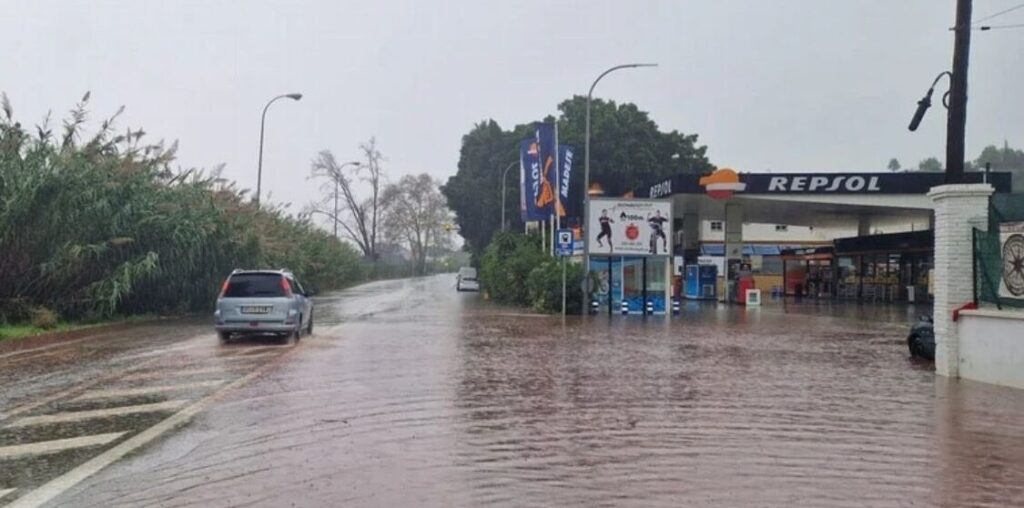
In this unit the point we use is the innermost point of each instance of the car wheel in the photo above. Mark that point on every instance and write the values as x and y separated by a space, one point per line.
284 338
224 337
309 329
298 331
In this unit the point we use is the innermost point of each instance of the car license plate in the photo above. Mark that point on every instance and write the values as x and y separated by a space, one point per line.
256 309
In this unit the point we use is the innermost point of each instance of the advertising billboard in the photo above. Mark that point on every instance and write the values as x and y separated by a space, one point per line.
629 227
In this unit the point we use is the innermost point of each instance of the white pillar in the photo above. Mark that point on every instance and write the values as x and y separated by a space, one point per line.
863 225
958 209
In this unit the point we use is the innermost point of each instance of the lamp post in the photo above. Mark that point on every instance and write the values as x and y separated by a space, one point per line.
955 99
586 170
336 178
263 121
503 175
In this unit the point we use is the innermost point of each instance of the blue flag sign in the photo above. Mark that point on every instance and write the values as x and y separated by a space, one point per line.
545 137
529 179
539 175
565 153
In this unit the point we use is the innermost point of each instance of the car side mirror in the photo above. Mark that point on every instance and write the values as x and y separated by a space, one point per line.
310 292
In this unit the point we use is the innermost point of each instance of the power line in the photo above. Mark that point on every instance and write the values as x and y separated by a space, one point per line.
996 27
1000 13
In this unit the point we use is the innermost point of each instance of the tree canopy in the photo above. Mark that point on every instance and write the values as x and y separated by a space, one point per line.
1002 159
930 164
627 149
415 216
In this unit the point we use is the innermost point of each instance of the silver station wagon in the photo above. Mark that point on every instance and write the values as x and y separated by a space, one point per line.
263 302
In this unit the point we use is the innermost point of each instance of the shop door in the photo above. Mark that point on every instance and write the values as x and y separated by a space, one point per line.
632 283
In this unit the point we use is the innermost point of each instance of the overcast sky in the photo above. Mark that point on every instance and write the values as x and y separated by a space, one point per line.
785 85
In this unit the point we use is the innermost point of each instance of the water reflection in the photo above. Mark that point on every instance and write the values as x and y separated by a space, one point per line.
727 407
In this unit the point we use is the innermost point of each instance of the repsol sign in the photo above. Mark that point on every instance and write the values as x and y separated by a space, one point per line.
726 183
661 189
822 183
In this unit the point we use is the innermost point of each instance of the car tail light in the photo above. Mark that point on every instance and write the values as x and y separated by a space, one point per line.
286 287
224 287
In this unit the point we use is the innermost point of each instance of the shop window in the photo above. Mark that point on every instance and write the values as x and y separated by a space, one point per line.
771 265
781 228
716 225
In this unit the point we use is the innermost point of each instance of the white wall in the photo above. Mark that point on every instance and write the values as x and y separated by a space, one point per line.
992 346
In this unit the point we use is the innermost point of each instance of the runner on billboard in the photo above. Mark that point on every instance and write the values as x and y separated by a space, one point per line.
606 229
657 223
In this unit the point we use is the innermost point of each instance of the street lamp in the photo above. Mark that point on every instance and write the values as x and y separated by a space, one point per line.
336 178
503 175
263 121
926 101
586 166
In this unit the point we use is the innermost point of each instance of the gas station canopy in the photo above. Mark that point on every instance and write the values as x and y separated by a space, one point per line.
809 199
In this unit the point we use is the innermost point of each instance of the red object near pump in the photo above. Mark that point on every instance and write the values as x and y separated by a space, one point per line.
746 282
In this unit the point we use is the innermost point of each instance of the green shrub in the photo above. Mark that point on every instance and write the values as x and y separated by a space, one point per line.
105 225
515 270
506 265
544 286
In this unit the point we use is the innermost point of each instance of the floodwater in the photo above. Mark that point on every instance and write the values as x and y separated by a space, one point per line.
411 394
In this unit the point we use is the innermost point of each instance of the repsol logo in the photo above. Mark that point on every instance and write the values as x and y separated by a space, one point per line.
820 183
661 189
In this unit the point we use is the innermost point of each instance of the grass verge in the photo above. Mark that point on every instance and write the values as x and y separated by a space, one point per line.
23 330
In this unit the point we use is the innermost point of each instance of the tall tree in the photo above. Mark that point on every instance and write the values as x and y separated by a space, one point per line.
416 215
894 165
627 151
1004 158
930 164
474 193
357 216
372 173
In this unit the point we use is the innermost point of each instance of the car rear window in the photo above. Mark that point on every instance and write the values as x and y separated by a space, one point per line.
254 285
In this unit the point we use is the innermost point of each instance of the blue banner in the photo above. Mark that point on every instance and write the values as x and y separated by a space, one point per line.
538 174
565 154
529 181
545 197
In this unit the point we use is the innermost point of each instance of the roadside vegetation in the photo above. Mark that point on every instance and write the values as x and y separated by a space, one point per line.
98 226
514 270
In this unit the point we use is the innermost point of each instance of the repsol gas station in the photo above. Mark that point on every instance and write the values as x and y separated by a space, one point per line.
640 273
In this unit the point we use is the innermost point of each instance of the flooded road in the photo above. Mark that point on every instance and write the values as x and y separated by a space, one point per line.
411 394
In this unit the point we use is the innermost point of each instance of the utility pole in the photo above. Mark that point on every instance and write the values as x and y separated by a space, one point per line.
956 121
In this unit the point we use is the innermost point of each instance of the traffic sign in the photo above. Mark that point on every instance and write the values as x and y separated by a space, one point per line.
563 242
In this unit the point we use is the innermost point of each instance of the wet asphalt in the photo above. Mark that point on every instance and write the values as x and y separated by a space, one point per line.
410 394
